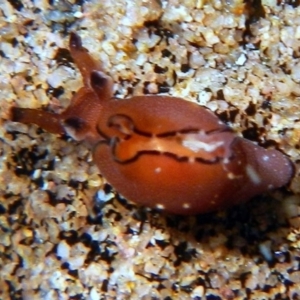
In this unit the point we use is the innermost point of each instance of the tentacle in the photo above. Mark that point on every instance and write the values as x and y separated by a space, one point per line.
48 121
102 85
83 60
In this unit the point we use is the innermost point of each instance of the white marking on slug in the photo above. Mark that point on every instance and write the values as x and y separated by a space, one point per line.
197 146
160 206
157 170
253 175
266 158
191 160
186 205
156 144
231 176
226 160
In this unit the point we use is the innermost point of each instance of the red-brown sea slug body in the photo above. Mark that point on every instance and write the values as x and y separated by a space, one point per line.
161 151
